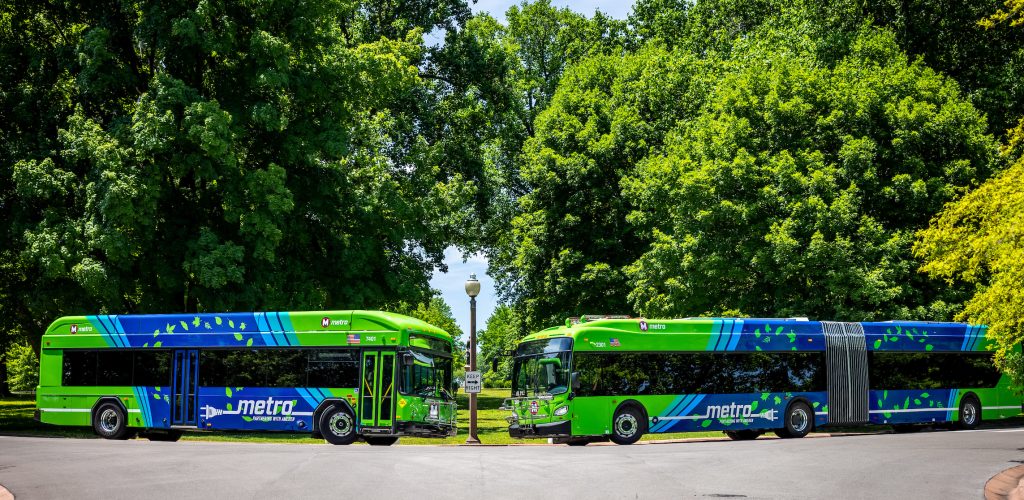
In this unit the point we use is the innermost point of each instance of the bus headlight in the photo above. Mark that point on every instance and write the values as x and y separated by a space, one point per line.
561 410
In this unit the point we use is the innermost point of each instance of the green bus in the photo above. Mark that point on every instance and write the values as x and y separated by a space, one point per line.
619 378
340 375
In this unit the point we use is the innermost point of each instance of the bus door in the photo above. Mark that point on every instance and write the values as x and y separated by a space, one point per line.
847 362
183 387
377 389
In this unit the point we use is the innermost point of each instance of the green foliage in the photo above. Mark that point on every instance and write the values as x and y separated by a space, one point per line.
503 331
798 190
166 157
977 240
22 368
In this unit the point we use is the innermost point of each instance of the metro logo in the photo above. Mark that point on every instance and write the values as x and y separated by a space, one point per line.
743 413
74 328
325 322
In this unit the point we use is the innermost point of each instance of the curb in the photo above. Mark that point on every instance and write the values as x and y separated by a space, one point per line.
1007 485
4 494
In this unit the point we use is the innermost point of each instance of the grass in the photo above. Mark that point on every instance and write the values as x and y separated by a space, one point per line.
16 419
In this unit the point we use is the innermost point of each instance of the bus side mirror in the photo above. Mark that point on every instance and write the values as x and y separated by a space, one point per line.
575 380
408 359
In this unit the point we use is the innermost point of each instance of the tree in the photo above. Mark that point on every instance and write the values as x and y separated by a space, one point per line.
222 156
502 334
22 368
978 240
569 239
798 190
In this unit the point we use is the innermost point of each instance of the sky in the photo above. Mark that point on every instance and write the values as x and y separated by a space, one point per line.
452 284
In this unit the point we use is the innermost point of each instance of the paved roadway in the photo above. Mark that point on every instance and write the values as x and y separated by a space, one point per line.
927 465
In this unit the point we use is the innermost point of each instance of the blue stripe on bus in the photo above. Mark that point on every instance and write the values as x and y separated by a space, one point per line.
107 333
307 397
286 323
264 329
120 330
737 327
676 403
718 332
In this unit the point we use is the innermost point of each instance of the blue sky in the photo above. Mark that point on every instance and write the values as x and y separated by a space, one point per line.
451 284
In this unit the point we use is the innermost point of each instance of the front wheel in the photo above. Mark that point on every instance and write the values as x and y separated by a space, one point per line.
338 425
799 421
743 435
381 440
970 413
109 421
627 425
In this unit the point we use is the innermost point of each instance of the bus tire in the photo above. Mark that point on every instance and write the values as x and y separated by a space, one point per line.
969 416
338 425
109 421
743 435
798 422
380 440
628 425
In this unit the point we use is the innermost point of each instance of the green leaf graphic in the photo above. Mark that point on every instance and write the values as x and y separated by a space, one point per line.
878 343
227 391
247 419
158 344
917 401
928 347
184 325
887 415
778 400
885 394
216 319
705 424
238 336
248 343
816 404
206 324
778 330
764 396
906 403
924 394
156 397
241 326
229 407
757 333
145 344
753 405
792 337
196 321
757 348
231 323
156 332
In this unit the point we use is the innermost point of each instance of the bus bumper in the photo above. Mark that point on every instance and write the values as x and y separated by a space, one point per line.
553 429
421 429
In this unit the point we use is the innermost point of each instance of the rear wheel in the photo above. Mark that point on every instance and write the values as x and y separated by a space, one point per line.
970 413
338 425
109 421
381 440
743 435
627 425
799 421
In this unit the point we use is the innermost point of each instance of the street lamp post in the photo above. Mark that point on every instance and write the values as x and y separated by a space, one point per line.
472 289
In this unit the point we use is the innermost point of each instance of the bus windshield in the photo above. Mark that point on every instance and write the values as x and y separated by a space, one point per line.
429 375
541 368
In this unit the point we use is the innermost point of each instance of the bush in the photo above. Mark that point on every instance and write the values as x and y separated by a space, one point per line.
22 368
494 380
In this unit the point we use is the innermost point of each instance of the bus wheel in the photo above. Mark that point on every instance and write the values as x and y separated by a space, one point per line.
799 421
743 435
109 421
171 435
627 425
380 440
970 413
338 426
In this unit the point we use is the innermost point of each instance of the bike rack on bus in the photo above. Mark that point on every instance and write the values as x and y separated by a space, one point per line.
514 403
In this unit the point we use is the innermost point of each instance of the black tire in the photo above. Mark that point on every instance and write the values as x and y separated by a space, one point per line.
628 425
170 436
906 428
380 440
798 422
109 421
743 435
969 416
578 441
338 425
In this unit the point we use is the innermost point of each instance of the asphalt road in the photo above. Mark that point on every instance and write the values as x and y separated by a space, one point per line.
927 465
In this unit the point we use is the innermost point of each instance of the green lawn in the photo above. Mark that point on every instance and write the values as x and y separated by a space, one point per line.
16 419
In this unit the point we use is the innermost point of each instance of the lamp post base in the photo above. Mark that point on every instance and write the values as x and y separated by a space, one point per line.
472 440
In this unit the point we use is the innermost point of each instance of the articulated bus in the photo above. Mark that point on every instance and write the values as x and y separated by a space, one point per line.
340 375
618 378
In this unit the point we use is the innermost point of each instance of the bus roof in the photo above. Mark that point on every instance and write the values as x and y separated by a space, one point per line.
763 334
237 329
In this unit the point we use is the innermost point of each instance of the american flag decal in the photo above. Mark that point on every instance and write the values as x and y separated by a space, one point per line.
352 338
613 342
